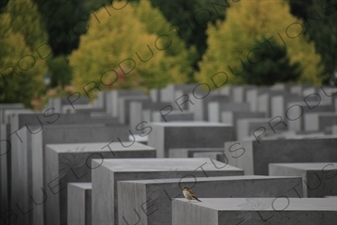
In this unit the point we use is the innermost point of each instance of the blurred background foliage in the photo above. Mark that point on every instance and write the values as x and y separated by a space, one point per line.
64 45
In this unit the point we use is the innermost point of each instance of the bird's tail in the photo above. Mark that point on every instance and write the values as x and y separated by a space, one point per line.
197 199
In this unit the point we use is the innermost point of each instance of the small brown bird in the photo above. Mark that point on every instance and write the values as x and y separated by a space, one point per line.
189 195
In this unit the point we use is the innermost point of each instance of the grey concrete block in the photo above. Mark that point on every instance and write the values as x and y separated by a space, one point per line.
140 112
298 88
67 163
124 107
215 109
107 173
258 127
279 104
172 116
200 105
254 156
165 136
232 118
189 152
79 203
152 199
271 211
211 155
265 100
239 93
252 97
319 121
171 92
295 112
64 134
5 168
20 175
11 106
113 98
319 179
334 129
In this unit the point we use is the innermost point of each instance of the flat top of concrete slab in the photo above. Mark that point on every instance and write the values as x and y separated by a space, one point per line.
137 137
255 120
164 164
266 204
333 114
207 179
297 138
99 146
335 197
190 124
326 166
81 185
20 111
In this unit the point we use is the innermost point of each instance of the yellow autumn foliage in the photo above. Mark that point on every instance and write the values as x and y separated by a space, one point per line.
119 51
231 42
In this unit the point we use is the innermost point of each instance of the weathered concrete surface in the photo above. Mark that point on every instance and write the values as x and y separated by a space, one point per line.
156 195
79 203
269 211
106 174
72 163
165 136
319 179
254 156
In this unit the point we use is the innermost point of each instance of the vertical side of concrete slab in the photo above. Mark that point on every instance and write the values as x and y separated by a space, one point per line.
156 139
135 194
182 213
20 175
102 194
51 185
240 155
76 205
38 189
5 153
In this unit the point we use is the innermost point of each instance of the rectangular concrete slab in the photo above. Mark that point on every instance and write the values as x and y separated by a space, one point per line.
269 211
200 104
72 163
5 167
279 104
165 136
79 203
155 196
296 110
189 152
64 134
254 156
258 127
216 108
172 116
319 179
4 106
106 174
124 107
319 121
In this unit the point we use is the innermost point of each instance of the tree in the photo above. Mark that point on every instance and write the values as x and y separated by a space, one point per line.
66 22
190 18
271 65
60 71
231 43
320 22
22 69
179 55
118 51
